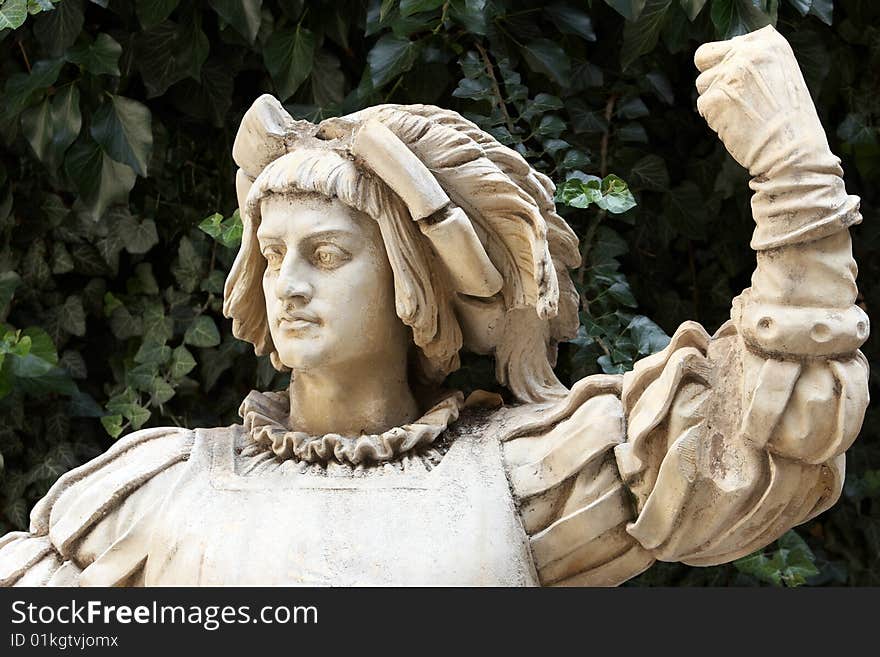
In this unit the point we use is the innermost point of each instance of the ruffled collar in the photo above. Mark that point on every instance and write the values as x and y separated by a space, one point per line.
265 416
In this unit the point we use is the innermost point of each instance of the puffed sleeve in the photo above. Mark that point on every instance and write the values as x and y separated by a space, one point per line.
727 448
571 500
734 439
91 508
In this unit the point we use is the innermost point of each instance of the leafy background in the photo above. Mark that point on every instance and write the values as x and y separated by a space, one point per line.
118 215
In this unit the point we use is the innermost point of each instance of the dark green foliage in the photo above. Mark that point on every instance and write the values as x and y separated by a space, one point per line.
118 216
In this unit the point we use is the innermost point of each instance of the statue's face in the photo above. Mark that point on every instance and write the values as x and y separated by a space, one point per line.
328 285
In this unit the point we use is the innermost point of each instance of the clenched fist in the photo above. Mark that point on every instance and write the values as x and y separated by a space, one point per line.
752 93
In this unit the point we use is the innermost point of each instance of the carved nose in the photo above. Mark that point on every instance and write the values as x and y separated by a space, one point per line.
291 287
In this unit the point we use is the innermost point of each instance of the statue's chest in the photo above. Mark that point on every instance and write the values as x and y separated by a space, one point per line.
455 523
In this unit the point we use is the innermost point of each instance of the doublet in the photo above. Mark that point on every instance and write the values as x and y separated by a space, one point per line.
694 456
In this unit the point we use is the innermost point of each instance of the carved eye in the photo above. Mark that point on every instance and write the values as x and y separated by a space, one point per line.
329 256
274 257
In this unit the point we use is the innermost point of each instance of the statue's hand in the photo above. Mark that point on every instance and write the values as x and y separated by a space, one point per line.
752 93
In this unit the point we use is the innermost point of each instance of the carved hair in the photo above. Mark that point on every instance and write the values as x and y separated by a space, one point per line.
509 203
420 303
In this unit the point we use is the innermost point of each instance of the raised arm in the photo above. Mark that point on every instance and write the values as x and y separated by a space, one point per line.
733 439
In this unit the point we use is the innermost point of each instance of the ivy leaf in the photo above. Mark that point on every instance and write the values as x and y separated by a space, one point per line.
855 131
122 401
621 293
123 128
160 391
214 282
151 352
650 173
685 209
36 6
803 6
692 8
112 425
583 119
141 377
550 126
243 15
188 268
33 375
212 225
616 197
152 12
227 232
661 86
73 362
629 9
823 10
634 108
218 84
99 57
289 56
13 14
571 20
575 159
548 57
611 193
182 363
41 344
146 281
36 126
66 122
72 316
83 404
57 30
410 7
202 333
649 337
474 15
213 362
546 102
391 56
9 281
633 132
580 191
736 17
328 80
640 36
474 88
52 126
138 415
790 564
137 236
22 89
100 180
168 53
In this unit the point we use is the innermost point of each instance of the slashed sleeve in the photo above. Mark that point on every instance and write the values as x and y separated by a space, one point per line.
572 503
89 509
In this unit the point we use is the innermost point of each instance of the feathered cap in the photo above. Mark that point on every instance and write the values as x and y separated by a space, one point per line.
481 210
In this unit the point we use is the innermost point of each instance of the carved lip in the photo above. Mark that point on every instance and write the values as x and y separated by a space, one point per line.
298 320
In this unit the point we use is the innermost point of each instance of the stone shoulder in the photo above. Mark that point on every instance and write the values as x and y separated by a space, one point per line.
91 493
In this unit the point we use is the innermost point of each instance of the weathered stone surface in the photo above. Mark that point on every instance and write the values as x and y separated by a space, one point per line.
379 245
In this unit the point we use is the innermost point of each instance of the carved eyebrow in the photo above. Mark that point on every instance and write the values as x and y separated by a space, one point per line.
330 234
263 234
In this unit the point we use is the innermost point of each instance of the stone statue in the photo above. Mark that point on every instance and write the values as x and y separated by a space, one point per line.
379 245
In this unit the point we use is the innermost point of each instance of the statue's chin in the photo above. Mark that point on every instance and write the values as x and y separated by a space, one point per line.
304 361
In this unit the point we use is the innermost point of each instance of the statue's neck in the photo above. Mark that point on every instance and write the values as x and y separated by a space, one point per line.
359 397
